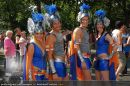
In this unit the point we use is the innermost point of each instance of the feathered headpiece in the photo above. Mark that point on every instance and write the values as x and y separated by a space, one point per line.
35 24
101 17
51 14
83 11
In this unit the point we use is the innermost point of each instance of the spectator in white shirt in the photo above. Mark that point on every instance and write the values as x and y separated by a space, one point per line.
22 45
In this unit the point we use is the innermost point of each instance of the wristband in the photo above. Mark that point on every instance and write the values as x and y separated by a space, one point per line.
80 56
52 66
110 56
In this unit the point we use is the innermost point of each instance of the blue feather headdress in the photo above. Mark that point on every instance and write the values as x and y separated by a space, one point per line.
84 7
83 11
51 14
52 9
100 14
101 17
37 17
36 23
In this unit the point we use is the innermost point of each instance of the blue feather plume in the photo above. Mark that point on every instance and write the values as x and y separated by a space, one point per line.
37 17
84 7
100 13
51 9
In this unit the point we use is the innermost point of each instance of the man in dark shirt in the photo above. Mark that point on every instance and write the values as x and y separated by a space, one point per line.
17 37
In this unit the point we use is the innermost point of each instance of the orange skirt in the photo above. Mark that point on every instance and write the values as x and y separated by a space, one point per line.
114 58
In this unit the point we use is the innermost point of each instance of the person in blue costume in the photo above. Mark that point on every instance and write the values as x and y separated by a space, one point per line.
80 63
55 45
35 61
103 39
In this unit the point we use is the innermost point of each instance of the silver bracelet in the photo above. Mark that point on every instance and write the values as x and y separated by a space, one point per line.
110 56
52 66
80 56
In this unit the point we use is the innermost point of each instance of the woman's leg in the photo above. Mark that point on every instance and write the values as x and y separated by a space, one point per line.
122 63
7 64
20 65
98 75
97 72
104 69
120 69
105 75
125 70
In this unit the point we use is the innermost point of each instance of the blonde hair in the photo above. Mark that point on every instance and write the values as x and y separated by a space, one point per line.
8 31
36 41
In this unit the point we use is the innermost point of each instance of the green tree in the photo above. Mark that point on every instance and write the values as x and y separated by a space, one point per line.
14 13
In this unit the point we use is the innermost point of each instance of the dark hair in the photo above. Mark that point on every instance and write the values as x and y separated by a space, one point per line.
98 31
2 32
52 19
52 22
119 24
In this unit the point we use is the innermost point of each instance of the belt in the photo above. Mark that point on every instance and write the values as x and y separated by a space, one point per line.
37 71
59 60
100 58
86 55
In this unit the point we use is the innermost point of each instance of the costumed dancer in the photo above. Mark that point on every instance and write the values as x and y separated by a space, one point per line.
54 44
103 40
79 48
35 62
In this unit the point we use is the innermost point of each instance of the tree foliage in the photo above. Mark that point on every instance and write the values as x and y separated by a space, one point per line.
15 13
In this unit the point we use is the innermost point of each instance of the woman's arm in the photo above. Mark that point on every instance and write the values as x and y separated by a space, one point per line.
17 40
128 41
112 46
29 56
109 38
119 36
7 46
